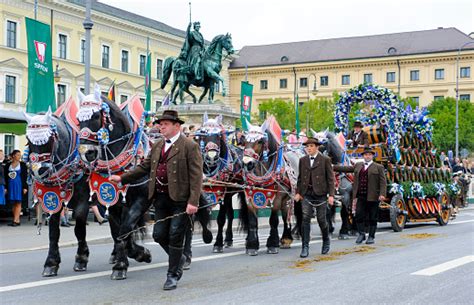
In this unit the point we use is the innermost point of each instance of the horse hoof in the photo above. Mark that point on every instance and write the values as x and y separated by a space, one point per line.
217 249
144 257
228 244
112 259
252 252
272 250
50 271
118 275
207 236
79 267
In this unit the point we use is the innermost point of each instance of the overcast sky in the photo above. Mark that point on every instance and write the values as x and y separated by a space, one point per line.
257 22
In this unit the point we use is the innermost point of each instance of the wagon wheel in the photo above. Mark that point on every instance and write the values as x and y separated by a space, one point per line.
443 217
398 213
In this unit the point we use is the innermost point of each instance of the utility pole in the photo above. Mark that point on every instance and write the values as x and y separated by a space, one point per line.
88 24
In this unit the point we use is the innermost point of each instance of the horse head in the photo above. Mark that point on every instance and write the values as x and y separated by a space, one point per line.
227 43
256 145
42 133
211 138
95 124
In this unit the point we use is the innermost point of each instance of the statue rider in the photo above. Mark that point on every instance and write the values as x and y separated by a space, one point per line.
193 49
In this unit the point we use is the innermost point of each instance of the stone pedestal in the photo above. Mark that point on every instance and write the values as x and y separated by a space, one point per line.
192 114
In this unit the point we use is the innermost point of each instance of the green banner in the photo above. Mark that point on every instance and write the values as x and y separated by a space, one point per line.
245 103
40 67
148 83
297 114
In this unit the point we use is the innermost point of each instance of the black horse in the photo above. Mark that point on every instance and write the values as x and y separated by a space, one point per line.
222 167
332 148
266 174
110 144
58 180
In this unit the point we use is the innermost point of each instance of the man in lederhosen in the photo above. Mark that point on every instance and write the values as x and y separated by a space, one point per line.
315 183
175 168
369 188
358 136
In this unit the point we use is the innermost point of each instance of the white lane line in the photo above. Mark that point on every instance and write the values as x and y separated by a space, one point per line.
132 269
460 222
445 266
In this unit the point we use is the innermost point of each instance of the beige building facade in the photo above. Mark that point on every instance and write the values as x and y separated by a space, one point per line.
420 65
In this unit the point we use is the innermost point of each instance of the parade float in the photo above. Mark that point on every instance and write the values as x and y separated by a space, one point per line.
417 186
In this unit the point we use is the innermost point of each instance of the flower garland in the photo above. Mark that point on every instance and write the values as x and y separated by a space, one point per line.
386 110
417 190
417 120
396 188
440 188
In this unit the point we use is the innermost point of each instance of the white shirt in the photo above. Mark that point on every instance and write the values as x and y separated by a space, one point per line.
367 164
173 139
311 161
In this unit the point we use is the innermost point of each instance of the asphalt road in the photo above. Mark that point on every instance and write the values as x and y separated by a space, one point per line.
424 264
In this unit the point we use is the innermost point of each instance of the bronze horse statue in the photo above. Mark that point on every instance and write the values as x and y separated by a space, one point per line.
211 65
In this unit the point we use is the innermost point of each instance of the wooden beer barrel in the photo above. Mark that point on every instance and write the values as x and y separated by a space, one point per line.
376 134
390 174
416 157
423 158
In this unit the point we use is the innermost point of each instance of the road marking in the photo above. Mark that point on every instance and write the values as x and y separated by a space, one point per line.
132 269
460 222
445 266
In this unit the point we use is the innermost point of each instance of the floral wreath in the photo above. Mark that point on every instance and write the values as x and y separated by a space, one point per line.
386 110
417 120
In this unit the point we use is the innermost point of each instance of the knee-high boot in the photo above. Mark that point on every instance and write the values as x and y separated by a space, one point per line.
176 260
305 236
326 240
371 238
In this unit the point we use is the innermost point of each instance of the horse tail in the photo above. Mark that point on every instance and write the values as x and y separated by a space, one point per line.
167 69
243 212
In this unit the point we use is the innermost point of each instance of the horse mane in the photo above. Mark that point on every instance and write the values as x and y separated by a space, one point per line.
212 47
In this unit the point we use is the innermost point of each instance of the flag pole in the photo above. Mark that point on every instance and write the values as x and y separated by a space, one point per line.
88 24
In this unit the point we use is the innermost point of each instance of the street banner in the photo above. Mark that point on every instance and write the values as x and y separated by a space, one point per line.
245 103
40 67
148 82
297 114
111 92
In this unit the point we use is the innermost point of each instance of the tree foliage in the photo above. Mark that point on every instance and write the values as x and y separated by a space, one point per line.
444 132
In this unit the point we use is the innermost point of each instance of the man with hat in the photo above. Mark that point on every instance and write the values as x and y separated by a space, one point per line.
175 168
358 136
315 183
370 187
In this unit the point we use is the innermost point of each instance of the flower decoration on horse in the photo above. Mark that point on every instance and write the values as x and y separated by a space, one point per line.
382 107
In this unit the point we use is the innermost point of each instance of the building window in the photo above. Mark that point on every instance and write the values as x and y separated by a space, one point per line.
123 98
368 78
10 89
439 74
262 114
303 82
465 97
142 65
83 50
9 144
62 46
263 84
159 69
465 72
11 34
346 80
414 75
390 77
105 56
324 81
61 95
124 66
283 83
415 99
438 97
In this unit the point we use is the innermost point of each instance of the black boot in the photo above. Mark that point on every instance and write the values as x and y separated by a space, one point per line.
305 235
371 239
176 260
361 229
326 241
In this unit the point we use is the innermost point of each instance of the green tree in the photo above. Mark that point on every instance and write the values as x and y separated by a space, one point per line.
444 132
283 110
